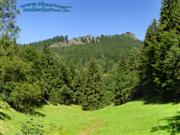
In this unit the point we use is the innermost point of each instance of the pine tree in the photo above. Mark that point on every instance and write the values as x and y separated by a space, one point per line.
49 73
66 91
126 78
93 89
73 81
171 69
65 95
147 58
169 18
167 77
63 92
78 86
175 18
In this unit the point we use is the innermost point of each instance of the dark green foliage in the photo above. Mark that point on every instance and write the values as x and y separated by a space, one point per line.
25 97
109 86
169 18
77 86
163 45
12 70
66 95
34 57
148 58
93 89
171 68
50 41
166 77
75 83
126 78
6 48
49 73
62 93
167 66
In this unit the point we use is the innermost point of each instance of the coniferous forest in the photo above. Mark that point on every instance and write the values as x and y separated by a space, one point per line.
90 72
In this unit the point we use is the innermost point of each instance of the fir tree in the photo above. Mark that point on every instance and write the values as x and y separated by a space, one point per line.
65 95
147 59
49 73
166 75
93 90
169 18
63 92
78 86
166 51
126 78
72 81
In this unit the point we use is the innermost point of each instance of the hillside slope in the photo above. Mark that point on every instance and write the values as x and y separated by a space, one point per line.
107 49
133 118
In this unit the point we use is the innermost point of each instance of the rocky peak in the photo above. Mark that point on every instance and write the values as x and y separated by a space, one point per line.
130 34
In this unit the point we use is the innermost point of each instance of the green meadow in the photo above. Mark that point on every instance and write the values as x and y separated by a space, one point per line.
133 118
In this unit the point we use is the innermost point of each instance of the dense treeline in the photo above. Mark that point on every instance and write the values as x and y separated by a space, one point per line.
50 41
113 70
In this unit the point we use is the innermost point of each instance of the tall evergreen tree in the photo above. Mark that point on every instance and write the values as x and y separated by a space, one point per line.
166 75
93 89
76 80
63 90
165 64
72 82
147 58
126 78
170 16
66 91
49 73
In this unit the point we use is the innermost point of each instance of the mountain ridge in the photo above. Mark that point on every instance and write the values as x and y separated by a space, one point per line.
63 41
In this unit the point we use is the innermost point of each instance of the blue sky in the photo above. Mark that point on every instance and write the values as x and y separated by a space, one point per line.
88 17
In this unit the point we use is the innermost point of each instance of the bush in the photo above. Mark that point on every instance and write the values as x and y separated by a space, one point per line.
12 70
25 96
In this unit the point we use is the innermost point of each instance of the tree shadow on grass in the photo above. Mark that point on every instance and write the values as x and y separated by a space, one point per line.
157 100
150 95
4 116
36 113
172 126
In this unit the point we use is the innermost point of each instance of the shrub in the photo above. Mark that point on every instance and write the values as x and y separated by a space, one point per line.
25 96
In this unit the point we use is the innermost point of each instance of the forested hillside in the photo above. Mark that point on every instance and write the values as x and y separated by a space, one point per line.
107 50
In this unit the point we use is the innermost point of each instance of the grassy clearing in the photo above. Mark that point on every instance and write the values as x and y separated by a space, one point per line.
133 118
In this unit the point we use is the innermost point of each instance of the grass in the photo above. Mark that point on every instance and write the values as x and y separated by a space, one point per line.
133 118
